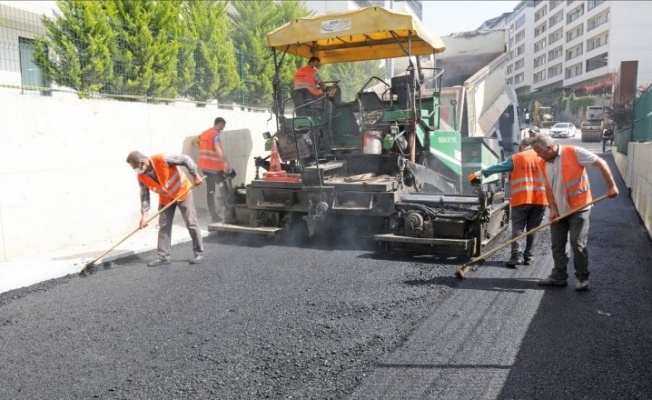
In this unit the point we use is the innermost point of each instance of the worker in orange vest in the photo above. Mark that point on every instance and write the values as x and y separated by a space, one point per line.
528 199
214 164
160 173
308 78
563 169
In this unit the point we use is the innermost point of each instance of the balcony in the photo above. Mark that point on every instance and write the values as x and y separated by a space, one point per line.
599 61
597 21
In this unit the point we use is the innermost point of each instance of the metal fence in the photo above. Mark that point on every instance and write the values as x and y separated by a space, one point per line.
21 23
641 129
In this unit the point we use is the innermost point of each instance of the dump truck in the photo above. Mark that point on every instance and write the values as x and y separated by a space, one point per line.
593 124
391 165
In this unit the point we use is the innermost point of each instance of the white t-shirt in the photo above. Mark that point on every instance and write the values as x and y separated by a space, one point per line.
553 170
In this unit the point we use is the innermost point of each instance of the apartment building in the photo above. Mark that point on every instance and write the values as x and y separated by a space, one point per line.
570 43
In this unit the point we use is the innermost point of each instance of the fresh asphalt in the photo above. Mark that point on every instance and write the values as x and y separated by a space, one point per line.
266 319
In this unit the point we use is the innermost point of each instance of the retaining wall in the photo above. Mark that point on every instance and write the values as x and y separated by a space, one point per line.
63 176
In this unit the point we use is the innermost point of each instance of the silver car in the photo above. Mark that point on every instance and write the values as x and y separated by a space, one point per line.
563 130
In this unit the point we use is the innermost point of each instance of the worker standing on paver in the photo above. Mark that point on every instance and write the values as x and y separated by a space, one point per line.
563 169
160 173
528 199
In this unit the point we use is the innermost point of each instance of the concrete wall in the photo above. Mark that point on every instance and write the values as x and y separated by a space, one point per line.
635 168
63 176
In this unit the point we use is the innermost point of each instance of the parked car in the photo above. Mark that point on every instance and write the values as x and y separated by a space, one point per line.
563 130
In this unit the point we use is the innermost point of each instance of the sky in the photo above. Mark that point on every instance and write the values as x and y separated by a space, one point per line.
444 17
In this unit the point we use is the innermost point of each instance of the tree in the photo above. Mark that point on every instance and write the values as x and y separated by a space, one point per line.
147 49
77 50
353 76
252 21
621 113
209 59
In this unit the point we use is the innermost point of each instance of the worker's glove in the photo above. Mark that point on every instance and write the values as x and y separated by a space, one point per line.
475 176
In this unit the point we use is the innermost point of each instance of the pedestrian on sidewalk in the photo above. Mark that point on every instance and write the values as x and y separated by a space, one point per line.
160 173
563 169
528 199
214 164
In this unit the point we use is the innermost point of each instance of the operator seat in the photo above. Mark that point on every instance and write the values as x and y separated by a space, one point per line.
305 104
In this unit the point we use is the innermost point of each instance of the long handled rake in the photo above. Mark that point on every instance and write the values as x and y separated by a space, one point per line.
462 272
88 268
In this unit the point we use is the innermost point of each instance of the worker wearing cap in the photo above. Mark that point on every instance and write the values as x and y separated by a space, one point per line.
528 199
563 169
160 173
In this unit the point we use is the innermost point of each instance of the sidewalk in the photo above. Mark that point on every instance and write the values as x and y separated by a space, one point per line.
71 260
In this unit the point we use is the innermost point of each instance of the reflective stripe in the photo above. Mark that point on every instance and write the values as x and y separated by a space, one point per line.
581 190
173 183
575 181
527 179
209 155
530 188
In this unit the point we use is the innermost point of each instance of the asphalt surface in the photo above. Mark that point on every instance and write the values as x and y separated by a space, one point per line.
265 319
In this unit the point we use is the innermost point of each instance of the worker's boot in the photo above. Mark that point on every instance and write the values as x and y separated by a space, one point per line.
516 259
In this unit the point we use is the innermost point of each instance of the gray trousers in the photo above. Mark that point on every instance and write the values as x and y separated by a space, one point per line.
525 218
215 181
577 225
187 208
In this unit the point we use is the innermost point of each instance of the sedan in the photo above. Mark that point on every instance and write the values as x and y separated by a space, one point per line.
563 130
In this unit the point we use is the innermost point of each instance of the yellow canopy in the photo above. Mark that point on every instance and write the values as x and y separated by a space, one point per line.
365 34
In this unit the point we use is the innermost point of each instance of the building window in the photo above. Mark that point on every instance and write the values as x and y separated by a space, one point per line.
555 36
519 64
574 33
520 50
554 3
540 76
598 20
510 81
574 52
539 29
519 78
591 4
520 36
574 71
519 22
554 71
30 73
510 69
555 53
540 45
596 62
539 61
541 13
555 19
574 14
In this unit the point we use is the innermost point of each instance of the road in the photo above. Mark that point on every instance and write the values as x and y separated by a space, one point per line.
262 319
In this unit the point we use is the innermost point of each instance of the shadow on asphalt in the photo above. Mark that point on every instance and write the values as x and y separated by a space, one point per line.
595 344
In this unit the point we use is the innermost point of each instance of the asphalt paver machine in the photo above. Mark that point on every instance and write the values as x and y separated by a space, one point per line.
382 166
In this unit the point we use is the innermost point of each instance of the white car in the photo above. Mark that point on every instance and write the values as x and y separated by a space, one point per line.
563 130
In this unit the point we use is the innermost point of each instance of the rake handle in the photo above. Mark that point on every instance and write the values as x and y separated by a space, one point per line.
150 219
461 273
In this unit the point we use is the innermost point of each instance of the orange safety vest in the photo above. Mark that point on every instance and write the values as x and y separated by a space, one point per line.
208 157
304 78
575 180
527 186
171 182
